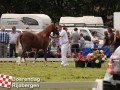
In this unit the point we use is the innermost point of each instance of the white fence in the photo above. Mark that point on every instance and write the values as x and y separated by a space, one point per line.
38 59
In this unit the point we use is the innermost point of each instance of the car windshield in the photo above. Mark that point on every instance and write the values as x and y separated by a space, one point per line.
100 32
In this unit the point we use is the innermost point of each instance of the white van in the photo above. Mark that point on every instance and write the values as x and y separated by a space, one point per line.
21 21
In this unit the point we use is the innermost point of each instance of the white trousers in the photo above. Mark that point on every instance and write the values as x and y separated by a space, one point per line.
64 49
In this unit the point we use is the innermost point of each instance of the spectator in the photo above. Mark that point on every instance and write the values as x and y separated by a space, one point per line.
64 46
95 40
106 40
116 40
54 44
111 36
82 41
75 42
54 41
4 40
12 41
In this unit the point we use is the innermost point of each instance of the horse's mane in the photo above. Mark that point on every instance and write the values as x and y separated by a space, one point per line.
47 30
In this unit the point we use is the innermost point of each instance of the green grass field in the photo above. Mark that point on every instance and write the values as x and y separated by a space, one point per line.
53 72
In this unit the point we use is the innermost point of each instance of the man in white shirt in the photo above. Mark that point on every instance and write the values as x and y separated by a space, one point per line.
12 41
63 37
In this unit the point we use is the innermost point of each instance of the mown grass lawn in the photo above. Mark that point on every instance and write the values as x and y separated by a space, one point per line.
53 72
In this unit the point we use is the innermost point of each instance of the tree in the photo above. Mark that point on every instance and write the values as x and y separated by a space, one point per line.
58 8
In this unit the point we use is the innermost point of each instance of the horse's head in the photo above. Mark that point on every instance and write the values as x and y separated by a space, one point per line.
55 28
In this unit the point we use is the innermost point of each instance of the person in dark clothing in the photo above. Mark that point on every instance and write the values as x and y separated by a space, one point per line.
106 41
4 39
111 36
116 40
75 42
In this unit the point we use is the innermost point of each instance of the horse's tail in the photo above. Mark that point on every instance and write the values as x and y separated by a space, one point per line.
17 43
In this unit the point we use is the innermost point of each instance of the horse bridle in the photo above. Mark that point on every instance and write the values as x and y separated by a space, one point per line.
54 28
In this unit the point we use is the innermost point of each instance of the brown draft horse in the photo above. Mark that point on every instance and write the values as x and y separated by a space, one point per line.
38 41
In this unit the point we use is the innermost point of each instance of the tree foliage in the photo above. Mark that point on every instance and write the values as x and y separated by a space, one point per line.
57 8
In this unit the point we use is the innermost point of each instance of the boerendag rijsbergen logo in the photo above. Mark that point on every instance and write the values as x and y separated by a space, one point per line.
7 81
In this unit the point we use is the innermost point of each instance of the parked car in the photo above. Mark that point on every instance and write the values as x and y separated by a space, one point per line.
112 75
87 34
